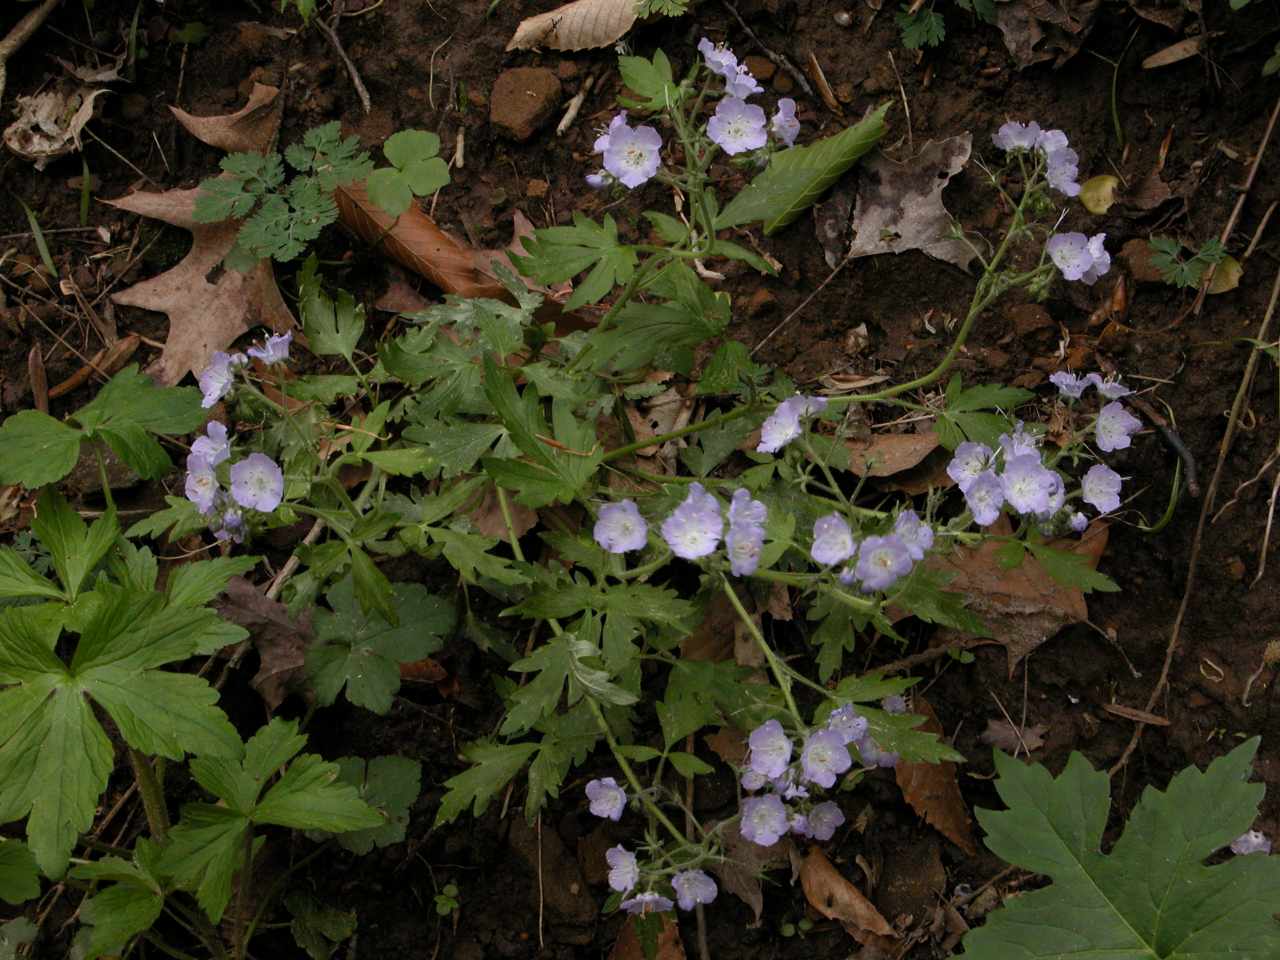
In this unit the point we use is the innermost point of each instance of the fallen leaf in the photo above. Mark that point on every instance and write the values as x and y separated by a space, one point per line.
251 129
1003 735
93 74
1136 715
1099 193
900 207
744 864
912 880
1039 30
281 641
581 25
1226 275
1171 17
1023 606
400 296
669 946
48 124
1174 53
485 512
836 898
931 789
729 744
884 454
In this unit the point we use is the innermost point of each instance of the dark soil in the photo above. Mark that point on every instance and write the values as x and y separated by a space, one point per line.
420 61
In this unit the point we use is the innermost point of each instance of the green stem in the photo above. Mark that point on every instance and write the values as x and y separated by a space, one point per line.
152 793
781 673
102 474
276 887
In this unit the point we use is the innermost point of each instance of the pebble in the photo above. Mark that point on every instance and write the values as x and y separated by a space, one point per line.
523 99
762 68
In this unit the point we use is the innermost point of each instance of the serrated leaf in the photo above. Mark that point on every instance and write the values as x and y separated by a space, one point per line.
797 177
1072 569
205 849
19 875
333 325
18 580
76 549
687 765
492 767
556 254
1152 897
118 913
390 785
36 449
316 929
455 446
179 518
199 583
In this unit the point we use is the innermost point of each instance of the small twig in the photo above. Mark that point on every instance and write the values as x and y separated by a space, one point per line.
21 33
1172 439
807 300
575 105
905 106
925 656
1266 534
1017 730
777 58
352 72
541 945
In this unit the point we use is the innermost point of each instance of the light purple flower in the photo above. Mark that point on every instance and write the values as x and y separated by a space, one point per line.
217 379
693 887
745 539
1019 443
1057 494
231 524
619 122
1061 169
824 758
894 703
1027 484
1078 522
873 756
1100 488
737 126
783 425
1016 136
882 561
800 825
770 749
984 498
1101 259
742 84
693 529
608 800
624 872
847 723
1255 841
1111 388
719 58
275 350
968 463
764 819
214 445
1050 141
1115 426
1069 385
915 534
648 902
1070 254
598 180
752 780
832 540
257 483
787 786
784 124
824 820
620 528
202 482
633 154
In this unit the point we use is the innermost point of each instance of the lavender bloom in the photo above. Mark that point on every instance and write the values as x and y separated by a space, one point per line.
1101 259
632 154
847 723
881 561
915 535
1110 388
624 872
873 756
598 180
1255 841
1016 136
824 758
1020 443
784 124
800 825
742 84
764 820
848 576
1069 385
1061 170
620 528
1070 254
745 539
787 786
275 350
1114 427
719 58
217 379
1100 488
783 425
214 445
824 820
1056 494
896 703
1026 484
608 800
257 483
1050 141
202 482
968 463
832 540
1078 522
752 781
737 126
770 749
619 122
231 525
649 902
693 887
984 498
693 529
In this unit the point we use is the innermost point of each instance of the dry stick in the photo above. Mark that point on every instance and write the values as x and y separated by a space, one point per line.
1233 420
1235 212
352 72
777 58
21 33
807 300
1173 440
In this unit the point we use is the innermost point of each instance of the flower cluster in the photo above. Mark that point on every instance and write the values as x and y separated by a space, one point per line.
880 560
1062 164
738 126
256 483
824 756
1013 475
1079 257
630 154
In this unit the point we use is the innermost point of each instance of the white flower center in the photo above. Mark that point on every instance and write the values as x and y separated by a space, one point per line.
635 156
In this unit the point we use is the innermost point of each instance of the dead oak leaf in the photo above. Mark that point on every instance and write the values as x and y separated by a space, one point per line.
886 454
280 640
1038 30
251 129
836 898
932 791
669 946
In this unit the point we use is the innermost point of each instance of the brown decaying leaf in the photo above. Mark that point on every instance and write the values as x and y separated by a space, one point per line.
836 898
1003 735
486 515
1136 715
931 789
48 124
106 361
729 744
1023 606
900 205
1174 53
581 25
884 454
251 129
1063 30
281 642
628 947
739 873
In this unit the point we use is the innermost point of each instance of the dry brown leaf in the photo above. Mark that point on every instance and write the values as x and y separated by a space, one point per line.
1136 715
581 25
836 898
281 641
931 789
1174 53
628 946
1003 735
884 454
49 124
900 206
729 744
251 129
1023 606
107 74
739 873
712 639
486 515
204 317
1038 30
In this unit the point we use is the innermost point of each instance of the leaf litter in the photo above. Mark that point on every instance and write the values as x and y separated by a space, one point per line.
580 25
932 790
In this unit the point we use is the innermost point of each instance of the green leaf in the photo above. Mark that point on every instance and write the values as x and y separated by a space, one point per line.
390 785
651 80
36 449
468 554
318 930
416 170
1072 569
372 588
18 580
455 446
402 461
492 767
797 177
556 254
19 875
662 334
199 583
332 159
333 326
1152 897
131 397
687 765
179 518
14 934
924 28
122 910
310 797
567 741
362 651
205 850
75 548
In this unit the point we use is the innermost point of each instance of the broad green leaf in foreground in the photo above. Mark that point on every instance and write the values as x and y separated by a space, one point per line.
131 904
1152 897
19 876
796 178
492 767
390 784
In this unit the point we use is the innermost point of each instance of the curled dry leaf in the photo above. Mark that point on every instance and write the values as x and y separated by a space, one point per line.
1226 275
49 124
900 207
251 129
739 873
281 641
931 789
1003 735
669 946
485 512
836 898
108 74
1039 30
1174 53
581 25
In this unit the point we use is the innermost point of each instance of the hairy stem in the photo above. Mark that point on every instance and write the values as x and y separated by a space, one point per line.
781 673
152 793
